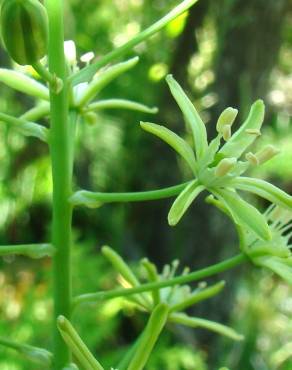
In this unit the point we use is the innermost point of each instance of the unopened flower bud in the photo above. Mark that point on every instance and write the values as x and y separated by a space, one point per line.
227 117
90 118
24 29
224 166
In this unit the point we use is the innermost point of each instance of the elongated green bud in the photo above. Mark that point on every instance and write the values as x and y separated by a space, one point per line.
24 29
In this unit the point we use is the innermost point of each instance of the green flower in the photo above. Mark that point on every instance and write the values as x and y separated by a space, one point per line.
177 298
218 168
275 254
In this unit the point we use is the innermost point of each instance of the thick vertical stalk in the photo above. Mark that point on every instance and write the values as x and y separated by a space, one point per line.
61 157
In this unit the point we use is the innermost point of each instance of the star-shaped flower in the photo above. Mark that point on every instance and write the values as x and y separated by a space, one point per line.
275 254
217 168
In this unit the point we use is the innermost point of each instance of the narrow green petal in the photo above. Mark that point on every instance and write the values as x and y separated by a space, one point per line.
211 151
244 213
241 139
199 296
149 337
34 354
121 104
183 201
120 265
265 190
196 322
124 269
77 346
193 119
20 82
277 265
172 139
104 78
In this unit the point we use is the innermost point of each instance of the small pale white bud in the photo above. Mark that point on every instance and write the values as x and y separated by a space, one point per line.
224 166
227 117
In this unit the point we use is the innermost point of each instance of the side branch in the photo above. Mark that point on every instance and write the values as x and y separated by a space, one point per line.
193 276
95 200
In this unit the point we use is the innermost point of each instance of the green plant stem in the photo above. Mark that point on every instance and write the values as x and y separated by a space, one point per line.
29 250
43 72
193 276
61 156
88 198
88 72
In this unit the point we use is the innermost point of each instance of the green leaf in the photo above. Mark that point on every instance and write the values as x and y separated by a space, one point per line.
23 83
103 79
149 337
121 104
243 213
88 72
183 201
77 346
265 190
196 322
241 139
193 119
175 141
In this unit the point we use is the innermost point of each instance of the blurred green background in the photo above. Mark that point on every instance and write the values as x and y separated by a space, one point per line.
224 53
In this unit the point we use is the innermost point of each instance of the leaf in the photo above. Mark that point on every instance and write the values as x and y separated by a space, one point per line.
175 141
193 119
88 72
196 322
243 213
24 84
149 337
241 139
183 201
265 190
103 79
121 104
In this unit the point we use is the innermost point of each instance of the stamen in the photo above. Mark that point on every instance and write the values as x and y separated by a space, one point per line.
224 166
252 159
226 118
253 131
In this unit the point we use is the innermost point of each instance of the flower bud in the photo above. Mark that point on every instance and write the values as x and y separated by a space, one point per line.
24 29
